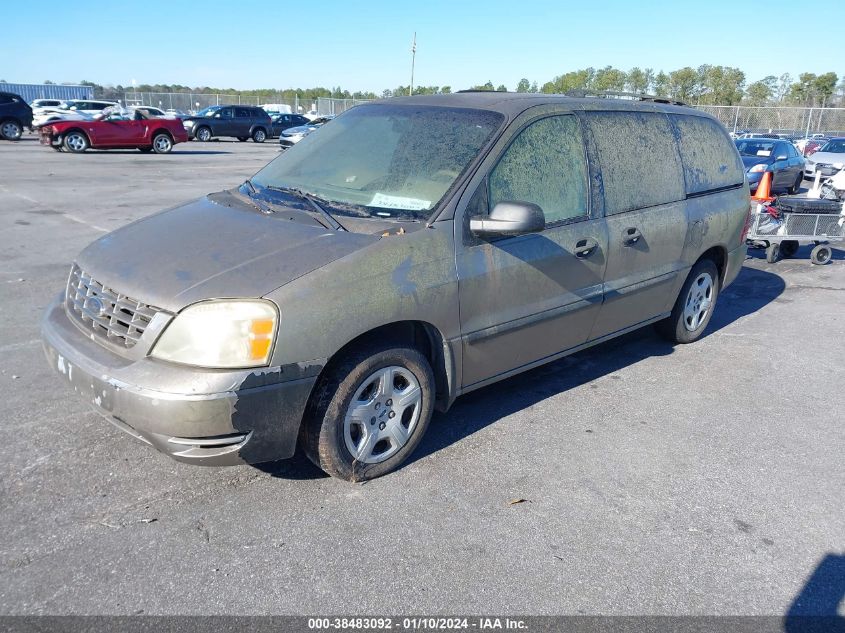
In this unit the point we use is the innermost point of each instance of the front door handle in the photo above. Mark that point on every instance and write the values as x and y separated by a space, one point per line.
631 236
585 247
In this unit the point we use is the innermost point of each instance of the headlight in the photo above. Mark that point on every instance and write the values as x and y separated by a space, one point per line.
220 334
757 168
188 123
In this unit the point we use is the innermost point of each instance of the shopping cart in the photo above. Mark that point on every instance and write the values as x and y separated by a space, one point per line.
782 231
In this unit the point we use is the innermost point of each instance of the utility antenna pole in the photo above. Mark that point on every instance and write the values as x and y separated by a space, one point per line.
413 58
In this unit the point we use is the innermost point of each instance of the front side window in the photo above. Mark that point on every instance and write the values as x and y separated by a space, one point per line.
383 160
544 165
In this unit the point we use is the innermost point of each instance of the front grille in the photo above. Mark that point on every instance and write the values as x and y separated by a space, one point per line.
109 314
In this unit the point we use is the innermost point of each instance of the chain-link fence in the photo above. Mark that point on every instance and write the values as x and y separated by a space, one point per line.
327 106
193 102
781 120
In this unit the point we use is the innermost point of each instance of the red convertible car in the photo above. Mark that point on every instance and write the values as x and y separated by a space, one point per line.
115 131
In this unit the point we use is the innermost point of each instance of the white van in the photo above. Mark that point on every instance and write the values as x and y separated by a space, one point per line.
276 108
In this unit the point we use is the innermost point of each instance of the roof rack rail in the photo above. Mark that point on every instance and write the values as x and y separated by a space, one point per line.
612 94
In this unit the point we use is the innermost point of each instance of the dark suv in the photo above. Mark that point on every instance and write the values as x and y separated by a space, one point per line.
283 122
242 122
15 115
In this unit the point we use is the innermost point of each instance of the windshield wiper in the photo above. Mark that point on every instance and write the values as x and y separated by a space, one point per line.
313 201
260 205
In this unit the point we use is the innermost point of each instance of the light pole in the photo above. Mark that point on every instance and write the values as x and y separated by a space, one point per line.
413 58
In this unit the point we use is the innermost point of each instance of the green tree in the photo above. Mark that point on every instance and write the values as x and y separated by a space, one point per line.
661 84
502 88
824 87
684 84
639 80
608 78
487 86
523 86
758 93
574 80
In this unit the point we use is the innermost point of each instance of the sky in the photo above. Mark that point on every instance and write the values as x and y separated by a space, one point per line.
245 44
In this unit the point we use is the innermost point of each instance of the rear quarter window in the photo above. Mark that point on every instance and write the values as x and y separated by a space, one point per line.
638 159
710 158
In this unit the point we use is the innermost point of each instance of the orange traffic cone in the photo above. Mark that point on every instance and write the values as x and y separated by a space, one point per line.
764 189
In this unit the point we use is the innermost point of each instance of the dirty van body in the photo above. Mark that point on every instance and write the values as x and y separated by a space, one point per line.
416 249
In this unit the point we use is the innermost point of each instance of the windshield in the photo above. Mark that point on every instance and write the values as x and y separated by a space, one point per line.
755 147
837 147
209 111
386 160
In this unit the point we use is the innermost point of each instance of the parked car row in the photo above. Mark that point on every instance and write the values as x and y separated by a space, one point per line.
78 125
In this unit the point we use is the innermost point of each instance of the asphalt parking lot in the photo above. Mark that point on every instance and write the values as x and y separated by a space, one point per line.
700 479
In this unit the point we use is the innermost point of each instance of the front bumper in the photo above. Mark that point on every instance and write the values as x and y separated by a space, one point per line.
200 416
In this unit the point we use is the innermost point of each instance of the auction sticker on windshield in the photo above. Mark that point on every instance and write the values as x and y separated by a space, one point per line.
399 202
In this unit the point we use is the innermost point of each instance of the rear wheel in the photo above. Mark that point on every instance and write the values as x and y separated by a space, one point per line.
694 306
162 143
76 141
203 134
259 135
369 413
11 130
821 254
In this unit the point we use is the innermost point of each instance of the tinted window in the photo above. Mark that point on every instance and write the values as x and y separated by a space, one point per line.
226 113
242 113
709 156
545 165
638 159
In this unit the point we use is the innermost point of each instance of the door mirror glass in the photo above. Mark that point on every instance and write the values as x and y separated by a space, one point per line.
509 218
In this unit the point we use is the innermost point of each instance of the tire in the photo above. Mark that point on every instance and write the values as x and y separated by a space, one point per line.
821 255
11 130
788 248
690 315
808 205
773 252
259 135
162 143
336 431
243 138
203 134
796 186
76 142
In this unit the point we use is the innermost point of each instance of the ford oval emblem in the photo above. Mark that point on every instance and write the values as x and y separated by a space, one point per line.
96 306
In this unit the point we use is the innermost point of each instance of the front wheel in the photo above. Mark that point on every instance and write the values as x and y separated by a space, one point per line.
773 252
76 142
11 130
162 143
259 135
203 134
369 413
796 186
694 306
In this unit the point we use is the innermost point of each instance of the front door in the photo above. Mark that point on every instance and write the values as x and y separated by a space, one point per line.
527 298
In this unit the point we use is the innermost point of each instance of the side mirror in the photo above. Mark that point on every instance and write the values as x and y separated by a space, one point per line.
509 218
217 115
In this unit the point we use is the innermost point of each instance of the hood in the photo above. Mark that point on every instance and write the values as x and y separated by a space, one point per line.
214 247
300 129
829 158
750 161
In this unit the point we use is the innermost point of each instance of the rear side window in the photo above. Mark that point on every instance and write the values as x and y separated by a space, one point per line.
242 113
638 159
709 156
545 165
